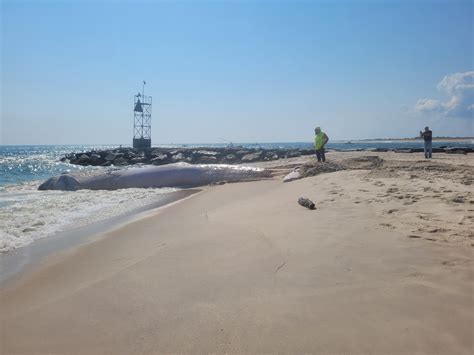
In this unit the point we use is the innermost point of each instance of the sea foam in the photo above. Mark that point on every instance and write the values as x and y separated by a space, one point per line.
27 215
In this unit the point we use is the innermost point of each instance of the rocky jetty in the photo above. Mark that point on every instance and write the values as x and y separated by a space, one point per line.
230 155
444 149
162 156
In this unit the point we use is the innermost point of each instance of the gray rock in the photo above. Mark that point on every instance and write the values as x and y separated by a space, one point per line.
208 159
205 152
95 159
160 159
252 156
178 157
137 160
82 160
230 157
242 152
110 157
292 154
120 161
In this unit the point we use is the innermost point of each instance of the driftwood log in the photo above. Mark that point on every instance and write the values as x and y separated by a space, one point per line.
306 202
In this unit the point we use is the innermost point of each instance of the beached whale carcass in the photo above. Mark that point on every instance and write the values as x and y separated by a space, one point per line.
172 175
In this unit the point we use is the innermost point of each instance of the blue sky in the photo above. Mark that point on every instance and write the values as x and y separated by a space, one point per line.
243 71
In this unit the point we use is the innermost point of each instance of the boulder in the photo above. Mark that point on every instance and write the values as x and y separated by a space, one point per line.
137 160
95 159
293 154
205 152
242 152
120 161
110 157
252 156
178 157
82 160
206 159
160 159
230 159
155 153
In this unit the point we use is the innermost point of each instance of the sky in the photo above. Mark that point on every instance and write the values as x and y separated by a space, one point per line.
241 71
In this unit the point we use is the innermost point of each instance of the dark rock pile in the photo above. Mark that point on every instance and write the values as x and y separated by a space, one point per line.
162 156
447 150
230 155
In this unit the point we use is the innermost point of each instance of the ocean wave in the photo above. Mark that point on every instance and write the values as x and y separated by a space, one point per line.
27 215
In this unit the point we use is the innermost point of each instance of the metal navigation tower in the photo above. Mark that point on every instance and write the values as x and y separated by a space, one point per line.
142 120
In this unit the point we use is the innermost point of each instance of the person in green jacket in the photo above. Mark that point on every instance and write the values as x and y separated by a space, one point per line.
320 141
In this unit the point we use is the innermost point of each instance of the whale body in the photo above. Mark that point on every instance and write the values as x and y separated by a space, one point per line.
171 175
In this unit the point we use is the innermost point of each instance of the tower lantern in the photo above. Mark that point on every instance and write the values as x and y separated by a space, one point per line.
142 120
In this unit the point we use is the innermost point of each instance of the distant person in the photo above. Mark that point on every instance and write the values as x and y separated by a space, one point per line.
320 141
427 137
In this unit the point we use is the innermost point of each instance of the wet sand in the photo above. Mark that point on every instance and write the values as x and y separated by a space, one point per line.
383 265
13 263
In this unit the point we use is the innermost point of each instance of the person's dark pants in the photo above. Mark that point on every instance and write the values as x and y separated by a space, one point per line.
320 155
428 149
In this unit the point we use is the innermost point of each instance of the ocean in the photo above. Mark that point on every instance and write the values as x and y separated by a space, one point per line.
27 215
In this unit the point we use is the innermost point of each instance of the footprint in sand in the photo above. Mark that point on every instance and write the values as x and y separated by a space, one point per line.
455 262
425 216
438 230
463 219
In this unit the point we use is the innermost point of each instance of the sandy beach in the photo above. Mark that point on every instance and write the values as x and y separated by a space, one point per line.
382 266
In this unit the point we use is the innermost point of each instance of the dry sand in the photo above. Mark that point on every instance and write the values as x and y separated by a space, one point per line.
382 266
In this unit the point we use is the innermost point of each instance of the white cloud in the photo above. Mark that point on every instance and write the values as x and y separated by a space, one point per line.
428 105
460 88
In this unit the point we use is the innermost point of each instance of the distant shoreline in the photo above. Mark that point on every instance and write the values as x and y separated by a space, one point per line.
435 139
